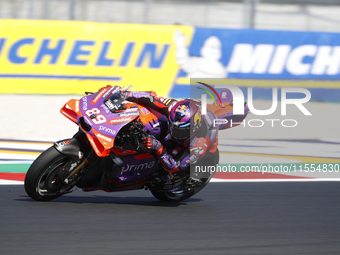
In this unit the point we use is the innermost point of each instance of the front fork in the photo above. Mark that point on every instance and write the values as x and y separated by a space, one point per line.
78 149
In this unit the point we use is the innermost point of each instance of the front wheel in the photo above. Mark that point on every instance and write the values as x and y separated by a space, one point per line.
192 188
42 181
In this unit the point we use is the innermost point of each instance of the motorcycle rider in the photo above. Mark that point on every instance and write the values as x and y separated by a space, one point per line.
190 135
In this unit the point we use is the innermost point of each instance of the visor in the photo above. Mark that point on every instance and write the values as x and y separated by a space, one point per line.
179 133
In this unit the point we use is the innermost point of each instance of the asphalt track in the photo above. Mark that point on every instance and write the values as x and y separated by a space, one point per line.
300 217
224 218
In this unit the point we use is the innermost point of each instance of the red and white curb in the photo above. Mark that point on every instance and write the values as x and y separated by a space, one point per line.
231 151
9 182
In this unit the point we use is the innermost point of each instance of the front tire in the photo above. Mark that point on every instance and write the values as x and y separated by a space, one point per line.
42 182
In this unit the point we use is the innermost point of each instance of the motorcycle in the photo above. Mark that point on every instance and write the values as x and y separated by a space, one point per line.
107 152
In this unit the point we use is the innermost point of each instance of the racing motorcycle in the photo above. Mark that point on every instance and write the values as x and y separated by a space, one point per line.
107 152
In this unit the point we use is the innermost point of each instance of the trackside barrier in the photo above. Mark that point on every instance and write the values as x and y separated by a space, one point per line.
63 57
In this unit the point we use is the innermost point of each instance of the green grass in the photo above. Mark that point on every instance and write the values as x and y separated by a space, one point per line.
14 168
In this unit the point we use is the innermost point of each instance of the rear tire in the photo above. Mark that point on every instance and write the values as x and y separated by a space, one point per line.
176 196
41 181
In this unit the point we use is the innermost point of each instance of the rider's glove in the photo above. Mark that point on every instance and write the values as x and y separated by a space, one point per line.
168 163
151 143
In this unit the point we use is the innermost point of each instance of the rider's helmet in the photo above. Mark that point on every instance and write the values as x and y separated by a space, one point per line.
185 119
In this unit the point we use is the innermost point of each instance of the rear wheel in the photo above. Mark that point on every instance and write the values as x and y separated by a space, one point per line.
42 181
192 188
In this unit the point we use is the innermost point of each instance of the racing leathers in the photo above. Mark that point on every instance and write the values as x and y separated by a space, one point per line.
177 156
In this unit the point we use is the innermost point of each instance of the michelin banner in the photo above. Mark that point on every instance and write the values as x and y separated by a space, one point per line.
72 57
56 57
261 59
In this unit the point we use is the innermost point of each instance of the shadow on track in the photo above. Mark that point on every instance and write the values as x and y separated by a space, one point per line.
131 200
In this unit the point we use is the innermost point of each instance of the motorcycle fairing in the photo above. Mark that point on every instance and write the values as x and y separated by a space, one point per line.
71 110
131 175
102 131
103 125
69 147
135 167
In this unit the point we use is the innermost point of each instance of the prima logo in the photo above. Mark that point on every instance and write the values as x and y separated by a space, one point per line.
143 166
84 100
107 130
105 108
